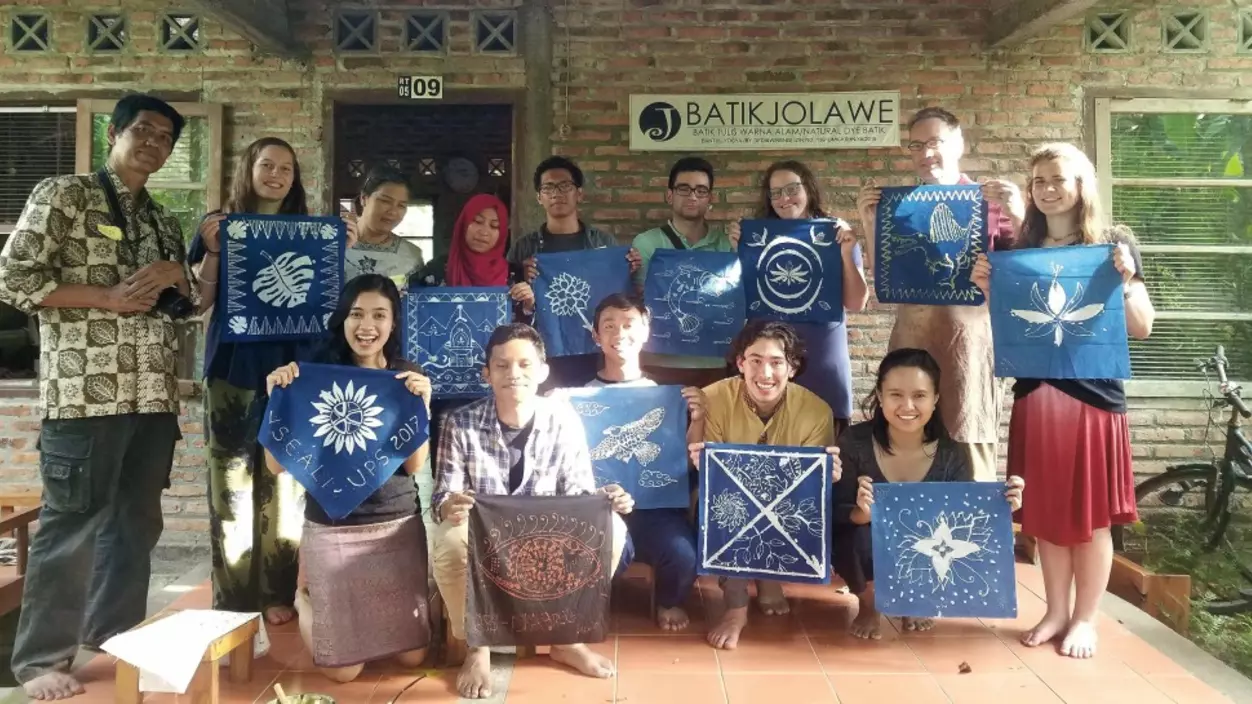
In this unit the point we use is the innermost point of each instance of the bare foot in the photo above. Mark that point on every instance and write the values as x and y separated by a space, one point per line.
1080 641
278 615
769 596
53 685
583 659
725 635
474 679
867 623
917 624
1050 627
674 619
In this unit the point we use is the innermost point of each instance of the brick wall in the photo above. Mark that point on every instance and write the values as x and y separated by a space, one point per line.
932 52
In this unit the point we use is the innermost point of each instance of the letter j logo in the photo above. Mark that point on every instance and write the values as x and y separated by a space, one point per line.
659 121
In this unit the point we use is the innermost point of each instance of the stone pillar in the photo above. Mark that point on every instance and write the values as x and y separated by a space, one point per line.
534 136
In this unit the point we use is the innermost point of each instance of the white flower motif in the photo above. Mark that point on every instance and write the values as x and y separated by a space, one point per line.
783 274
568 296
943 549
329 232
729 510
237 230
346 417
239 324
1057 314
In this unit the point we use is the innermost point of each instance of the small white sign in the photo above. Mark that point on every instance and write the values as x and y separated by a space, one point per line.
421 87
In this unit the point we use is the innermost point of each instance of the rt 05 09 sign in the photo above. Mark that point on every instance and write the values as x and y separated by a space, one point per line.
421 87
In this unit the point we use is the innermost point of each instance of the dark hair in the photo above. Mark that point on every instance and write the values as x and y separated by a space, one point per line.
934 113
127 110
337 350
243 198
516 331
909 358
690 164
558 162
760 329
621 301
378 177
807 179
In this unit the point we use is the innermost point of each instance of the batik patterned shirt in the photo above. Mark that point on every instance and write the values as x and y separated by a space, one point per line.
93 362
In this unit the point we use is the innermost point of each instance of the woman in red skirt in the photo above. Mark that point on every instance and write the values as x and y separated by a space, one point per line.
1069 438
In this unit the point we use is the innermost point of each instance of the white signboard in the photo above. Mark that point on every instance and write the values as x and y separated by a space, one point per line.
763 122
421 87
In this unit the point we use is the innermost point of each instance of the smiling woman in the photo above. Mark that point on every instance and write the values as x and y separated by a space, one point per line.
381 208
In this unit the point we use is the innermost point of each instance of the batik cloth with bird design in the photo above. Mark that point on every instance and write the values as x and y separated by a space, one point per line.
926 239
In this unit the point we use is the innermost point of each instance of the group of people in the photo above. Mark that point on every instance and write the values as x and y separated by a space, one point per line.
99 262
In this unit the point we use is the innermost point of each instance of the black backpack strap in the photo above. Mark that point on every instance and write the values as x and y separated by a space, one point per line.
672 234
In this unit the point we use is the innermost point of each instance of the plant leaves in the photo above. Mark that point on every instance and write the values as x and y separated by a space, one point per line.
285 282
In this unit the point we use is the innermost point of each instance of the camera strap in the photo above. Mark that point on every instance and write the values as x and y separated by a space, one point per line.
119 218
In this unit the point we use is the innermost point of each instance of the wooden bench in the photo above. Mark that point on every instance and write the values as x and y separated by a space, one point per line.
17 512
1165 597
205 685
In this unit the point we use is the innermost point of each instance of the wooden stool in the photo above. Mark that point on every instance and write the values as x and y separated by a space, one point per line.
204 687
642 572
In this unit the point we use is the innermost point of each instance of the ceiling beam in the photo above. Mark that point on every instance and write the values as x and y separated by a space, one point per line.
1019 20
265 23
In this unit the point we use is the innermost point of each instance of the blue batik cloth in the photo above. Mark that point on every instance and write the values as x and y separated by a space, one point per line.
341 432
446 332
638 440
926 239
697 302
1058 313
792 270
569 287
943 549
281 276
765 512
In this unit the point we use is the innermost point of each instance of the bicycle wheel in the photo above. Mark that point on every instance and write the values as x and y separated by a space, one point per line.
1232 518
1175 507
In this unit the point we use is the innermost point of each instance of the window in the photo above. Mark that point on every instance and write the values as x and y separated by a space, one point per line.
180 33
1177 172
30 32
356 31
1108 32
495 32
426 31
107 34
1185 31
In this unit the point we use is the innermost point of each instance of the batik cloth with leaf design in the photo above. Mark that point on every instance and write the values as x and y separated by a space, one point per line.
765 512
943 549
1058 313
569 287
926 239
281 276
792 270
342 432
539 570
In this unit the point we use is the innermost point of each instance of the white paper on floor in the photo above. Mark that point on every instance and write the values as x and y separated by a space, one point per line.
168 651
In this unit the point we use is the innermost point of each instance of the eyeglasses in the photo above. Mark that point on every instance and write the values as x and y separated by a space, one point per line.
928 144
551 189
791 190
144 132
686 191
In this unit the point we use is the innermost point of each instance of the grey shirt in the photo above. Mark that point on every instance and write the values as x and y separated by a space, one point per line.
528 245
856 450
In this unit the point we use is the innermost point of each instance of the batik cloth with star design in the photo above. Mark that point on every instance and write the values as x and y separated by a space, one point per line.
94 362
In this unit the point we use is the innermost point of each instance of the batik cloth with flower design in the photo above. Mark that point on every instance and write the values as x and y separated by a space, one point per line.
539 570
93 362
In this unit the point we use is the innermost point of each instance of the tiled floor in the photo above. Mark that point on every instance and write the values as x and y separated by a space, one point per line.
800 659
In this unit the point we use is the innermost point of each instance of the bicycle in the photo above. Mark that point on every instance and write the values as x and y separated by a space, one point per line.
1205 492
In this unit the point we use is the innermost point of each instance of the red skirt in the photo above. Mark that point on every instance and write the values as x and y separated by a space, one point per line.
1077 465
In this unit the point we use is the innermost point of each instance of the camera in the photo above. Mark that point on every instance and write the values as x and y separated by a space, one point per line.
174 304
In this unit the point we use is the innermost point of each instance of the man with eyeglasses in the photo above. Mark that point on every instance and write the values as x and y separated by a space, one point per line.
98 260
958 337
559 189
689 196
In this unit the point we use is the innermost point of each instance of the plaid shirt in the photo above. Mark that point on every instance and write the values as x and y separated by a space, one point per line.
473 455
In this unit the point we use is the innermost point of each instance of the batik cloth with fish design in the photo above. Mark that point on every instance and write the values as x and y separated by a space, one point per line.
343 431
637 437
1058 313
792 270
697 302
569 287
281 276
539 570
926 239
943 549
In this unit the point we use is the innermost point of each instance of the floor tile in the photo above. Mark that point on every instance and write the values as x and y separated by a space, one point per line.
877 689
945 656
756 688
1046 659
1141 657
844 654
760 655
541 681
359 690
1016 687
1187 689
1103 689
949 628
287 652
439 689
667 688
674 654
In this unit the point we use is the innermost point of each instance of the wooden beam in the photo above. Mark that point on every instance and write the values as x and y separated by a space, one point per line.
265 23
1019 20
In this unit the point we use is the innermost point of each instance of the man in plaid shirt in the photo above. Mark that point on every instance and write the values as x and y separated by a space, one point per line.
512 442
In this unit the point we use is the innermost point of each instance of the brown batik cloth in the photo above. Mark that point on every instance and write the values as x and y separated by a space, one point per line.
539 570
368 590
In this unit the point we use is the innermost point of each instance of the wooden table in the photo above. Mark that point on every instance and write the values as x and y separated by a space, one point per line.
205 686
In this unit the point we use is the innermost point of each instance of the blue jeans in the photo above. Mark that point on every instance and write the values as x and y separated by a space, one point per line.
666 540
90 561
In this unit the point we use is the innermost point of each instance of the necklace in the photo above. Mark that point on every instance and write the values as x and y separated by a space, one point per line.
1063 240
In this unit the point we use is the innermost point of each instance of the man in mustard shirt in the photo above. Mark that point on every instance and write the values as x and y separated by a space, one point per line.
763 407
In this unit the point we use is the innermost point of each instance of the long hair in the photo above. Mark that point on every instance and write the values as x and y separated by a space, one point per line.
337 350
1093 225
243 197
765 208
908 358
